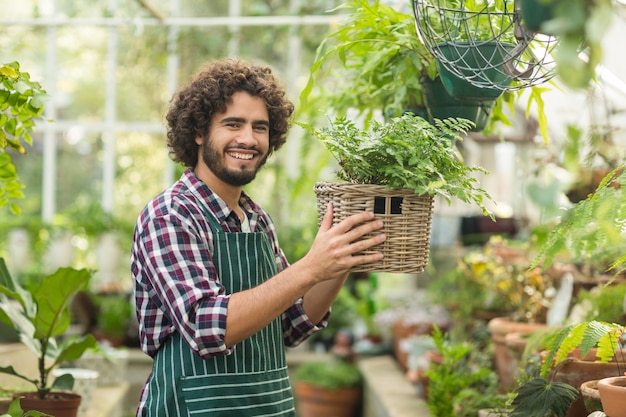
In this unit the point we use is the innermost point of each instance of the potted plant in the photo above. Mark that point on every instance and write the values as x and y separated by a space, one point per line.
580 27
40 315
395 169
378 50
470 41
114 313
591 228
409 315
462 381
513 299
390 70
328 388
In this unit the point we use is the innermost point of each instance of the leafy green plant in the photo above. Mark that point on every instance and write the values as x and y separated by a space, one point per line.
405 152
114 314
333 374
21 104
603 303
378 50
461 383
606 337
542 398
374 62
477 20
592 231
500 269
42 315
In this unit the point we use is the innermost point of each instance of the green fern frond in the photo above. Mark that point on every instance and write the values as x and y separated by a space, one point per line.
584 336
609 343
594 229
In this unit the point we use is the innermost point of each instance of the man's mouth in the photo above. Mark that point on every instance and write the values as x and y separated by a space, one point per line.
240 155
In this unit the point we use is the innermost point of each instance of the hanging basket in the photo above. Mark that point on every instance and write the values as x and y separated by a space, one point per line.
407 219
457 33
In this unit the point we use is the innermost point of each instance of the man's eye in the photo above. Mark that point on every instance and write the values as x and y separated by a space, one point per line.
261 128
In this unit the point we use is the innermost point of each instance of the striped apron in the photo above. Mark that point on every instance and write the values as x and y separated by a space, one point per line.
253 379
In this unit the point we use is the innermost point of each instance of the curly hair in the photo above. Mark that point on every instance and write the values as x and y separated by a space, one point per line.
192 107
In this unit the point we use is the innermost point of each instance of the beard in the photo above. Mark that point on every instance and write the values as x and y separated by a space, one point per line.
214 159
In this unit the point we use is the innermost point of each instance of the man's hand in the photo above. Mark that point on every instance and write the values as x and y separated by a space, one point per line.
332 254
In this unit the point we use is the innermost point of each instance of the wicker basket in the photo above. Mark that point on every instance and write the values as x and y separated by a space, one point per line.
407 220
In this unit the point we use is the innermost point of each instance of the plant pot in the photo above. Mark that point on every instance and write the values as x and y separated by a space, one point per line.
483 63
402 331
442 105
314 401
506 364
613 396
4 404
577 370
57 404
85 382
407 219
535 13
591 396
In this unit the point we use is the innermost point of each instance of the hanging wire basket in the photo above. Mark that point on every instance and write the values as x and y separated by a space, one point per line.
485 43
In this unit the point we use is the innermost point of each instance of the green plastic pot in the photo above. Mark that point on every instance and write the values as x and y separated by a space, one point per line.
441 105
482 62
536 12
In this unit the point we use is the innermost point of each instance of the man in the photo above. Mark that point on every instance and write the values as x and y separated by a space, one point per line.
216 299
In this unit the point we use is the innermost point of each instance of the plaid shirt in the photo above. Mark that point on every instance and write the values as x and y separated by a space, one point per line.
176 283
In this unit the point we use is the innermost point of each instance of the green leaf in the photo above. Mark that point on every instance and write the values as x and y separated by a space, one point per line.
53 298
538 398
63 382
11 371
10 287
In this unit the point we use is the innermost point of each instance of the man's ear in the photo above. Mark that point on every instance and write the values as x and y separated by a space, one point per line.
199 140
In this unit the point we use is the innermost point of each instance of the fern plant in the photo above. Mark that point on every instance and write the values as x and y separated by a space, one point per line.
404 152
606 337
541 396
375 61
593 231
462 380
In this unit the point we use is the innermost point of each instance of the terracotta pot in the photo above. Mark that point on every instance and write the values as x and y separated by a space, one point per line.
506 363
4 404
57 404
591 396
314 401
613 395
575 371
403 331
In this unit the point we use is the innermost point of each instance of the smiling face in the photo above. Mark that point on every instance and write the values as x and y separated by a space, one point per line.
237 143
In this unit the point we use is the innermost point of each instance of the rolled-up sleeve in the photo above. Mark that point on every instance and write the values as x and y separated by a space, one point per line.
297 327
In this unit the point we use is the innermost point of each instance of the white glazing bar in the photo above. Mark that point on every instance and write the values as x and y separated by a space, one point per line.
173 64
108 136
178 21
48 197
234 12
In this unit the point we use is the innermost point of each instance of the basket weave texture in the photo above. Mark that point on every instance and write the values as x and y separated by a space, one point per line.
407 219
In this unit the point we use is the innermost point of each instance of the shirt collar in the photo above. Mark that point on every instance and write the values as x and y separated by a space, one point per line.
214 202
